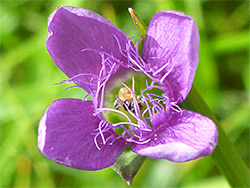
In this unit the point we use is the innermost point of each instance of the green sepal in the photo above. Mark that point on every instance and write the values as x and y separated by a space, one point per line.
127 165
142 27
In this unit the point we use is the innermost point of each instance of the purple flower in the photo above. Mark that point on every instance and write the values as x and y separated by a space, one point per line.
101 59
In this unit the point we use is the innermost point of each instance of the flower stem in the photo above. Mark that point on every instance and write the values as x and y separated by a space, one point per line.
226 156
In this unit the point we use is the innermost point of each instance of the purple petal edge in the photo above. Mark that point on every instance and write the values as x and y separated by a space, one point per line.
183 137
172 41
66 136
76 41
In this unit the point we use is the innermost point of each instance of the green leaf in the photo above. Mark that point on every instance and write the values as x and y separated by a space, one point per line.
127 165
226 157
142 27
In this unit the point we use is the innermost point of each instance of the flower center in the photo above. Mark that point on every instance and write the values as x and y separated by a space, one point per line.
132 108
124 96
128 95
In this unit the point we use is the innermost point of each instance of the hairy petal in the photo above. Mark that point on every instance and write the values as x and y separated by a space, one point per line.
172 43
76 40
181 138
66 136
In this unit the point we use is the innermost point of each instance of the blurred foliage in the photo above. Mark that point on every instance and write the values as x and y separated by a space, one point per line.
28 74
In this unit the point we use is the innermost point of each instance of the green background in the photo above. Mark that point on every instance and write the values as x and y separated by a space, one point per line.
28 74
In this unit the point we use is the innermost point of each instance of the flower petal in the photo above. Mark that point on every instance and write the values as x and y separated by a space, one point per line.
76 40
172 43
181 138
66 136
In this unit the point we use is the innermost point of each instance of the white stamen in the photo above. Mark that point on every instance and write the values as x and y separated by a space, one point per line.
160 69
